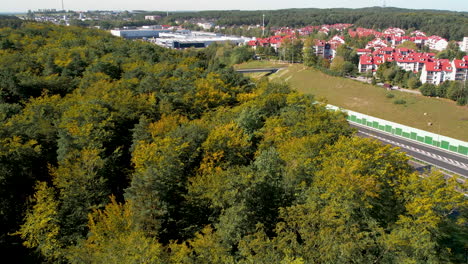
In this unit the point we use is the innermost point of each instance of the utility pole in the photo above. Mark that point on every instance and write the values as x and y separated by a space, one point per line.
63 8
263 25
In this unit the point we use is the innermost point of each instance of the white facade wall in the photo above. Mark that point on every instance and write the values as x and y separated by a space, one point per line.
365 67
437 45
459 74
408 66
464 46
441 45
152 17
137 33
437 77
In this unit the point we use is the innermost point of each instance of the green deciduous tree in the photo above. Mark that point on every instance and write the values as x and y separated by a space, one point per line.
41 228
82 188
114 237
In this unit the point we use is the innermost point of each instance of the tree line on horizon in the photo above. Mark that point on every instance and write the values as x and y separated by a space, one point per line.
118 151
448 24
451 25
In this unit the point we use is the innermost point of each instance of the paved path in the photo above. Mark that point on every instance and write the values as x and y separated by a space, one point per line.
368 80
270 70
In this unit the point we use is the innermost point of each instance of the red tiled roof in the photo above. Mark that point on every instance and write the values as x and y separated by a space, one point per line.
389 57
378 61
381 56
366 60
461 64
439 65
252 43
319 42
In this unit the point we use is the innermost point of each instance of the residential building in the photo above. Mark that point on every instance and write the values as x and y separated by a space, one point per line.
464 46
366 64
363 32
436 72
324 49
407 59
418 33
436 43
363 51
377 43
442 70
460 69
205 26
394 31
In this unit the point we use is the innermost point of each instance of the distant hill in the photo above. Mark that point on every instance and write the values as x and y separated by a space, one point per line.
10 21
6 17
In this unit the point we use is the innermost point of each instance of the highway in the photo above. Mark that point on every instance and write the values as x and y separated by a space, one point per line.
451 162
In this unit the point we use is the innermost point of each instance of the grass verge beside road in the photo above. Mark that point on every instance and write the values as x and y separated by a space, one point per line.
442 115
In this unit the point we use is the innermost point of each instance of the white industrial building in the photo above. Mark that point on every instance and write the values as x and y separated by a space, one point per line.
186 39
139 33
152 17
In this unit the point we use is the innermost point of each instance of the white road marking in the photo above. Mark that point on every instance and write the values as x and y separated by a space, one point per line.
438 157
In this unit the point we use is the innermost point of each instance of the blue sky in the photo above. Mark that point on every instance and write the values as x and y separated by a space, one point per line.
24 5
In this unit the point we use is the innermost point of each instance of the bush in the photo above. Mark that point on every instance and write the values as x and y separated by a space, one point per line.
414 83
390 95
428 89
399 101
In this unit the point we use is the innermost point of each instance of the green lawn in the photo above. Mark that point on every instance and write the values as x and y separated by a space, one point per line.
446 117
254 64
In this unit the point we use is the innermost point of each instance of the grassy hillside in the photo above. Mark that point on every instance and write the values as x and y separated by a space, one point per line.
260 64
446 117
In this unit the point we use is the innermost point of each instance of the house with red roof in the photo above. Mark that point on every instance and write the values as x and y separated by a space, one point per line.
376 43
363 51
366 64
337 40
252 43
418 33
394 31
460 69
436 43
441 70
406 59
319 47
363 32
436 72
324 30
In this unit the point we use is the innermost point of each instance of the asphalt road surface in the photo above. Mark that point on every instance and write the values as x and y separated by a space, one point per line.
451 162
270 70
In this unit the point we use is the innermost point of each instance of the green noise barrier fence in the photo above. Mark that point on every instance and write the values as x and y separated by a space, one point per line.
409 133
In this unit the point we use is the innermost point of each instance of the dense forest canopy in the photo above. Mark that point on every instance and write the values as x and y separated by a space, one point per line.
116 151
448 24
